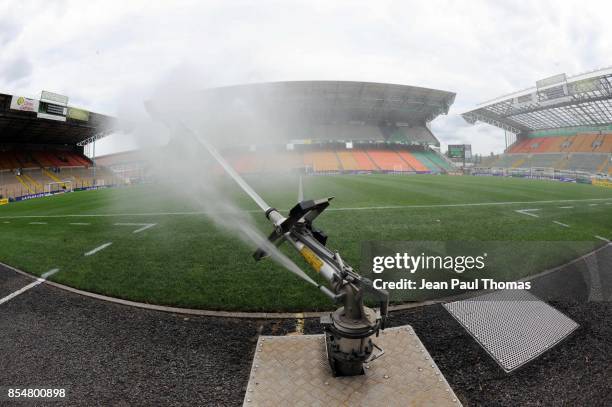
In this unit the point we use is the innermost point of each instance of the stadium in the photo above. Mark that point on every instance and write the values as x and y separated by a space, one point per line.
106 236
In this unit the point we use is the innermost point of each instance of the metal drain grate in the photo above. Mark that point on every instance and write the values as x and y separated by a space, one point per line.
513 326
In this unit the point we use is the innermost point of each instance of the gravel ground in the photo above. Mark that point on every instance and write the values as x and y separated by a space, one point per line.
108 354
11 282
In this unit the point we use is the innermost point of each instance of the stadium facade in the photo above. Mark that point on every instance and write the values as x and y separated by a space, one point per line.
562 124
333 110
326 126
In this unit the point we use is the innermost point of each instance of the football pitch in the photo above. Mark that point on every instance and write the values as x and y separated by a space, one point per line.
146 244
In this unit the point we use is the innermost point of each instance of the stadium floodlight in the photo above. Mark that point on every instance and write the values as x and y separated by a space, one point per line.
57 187
349 329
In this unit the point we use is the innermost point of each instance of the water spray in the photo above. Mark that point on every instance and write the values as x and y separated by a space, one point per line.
349 329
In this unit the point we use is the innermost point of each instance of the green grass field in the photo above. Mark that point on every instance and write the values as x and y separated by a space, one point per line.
185 260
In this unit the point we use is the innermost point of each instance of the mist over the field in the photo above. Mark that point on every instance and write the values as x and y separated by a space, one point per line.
178 116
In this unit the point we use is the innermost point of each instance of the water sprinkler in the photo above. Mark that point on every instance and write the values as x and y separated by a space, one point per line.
349 329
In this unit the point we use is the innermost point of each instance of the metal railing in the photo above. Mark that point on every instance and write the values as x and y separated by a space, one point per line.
539 173
18 191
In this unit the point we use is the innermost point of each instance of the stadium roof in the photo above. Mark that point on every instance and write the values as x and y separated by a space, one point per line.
26 125
555 102
336 101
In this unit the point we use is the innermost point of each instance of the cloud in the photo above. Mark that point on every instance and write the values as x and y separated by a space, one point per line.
102 53
8 31
15 70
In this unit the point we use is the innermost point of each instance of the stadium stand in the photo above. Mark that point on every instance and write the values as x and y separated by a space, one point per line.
586 162
606 144
519 162
424 159
321 161
605 163
413 161
34 181
432 160
13 159
388 160
580 143
347 161
580 152
363 161
324 159
557 143
42 146
310 126
245 163
319 158
548 160
438 160
570 130
409 134
8 161
25 184
489 161
584 143
330 132
31 171
279 161
507 160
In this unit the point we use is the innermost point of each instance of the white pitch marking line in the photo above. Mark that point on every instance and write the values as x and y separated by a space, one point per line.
561 224
80 223
145 226
31 285
38 223
300 190
602 238
150 225
528 212
566 207
356 208
97 249
593 204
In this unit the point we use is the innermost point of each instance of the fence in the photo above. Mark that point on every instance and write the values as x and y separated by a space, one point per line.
538 173
14 191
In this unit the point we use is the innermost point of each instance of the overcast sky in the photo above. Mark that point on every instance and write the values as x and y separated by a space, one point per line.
108 56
